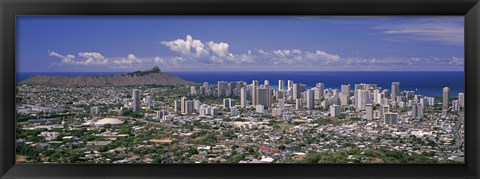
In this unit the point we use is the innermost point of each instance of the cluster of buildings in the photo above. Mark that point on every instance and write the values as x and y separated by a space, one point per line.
264 124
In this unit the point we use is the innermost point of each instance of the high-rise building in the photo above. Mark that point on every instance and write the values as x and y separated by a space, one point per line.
231 86
136 100
289 85
202 91
302 88
222 88
231 103
296 91
189 107
262 96
266 84
369 112
383 110
446 97
298 104
243 97
391 118
319 88
226 103
177 106
233 111
254 92
207 88
363 98
196 104
417 110
310 99
455 105
281 85
377 96
214 111
395 91
461 100
345 95
183 101
335 110
193 91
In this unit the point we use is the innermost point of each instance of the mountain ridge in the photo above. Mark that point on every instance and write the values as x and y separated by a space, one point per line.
151 76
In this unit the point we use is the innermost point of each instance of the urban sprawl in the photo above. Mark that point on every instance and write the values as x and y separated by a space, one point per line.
237 122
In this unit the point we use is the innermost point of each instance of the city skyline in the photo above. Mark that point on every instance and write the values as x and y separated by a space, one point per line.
195 43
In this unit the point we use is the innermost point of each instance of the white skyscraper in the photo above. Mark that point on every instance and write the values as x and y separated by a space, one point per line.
298 104
243 97
296 91
377 96
193 90
446 97
310 99
136 100
319 88
345 95
335 110
289 85
363 99
461 100
254 92
196 104
281 85
183 102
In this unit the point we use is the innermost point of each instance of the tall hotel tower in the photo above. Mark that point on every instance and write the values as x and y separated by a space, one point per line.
446 97
281 85
254 92
395 91
136 100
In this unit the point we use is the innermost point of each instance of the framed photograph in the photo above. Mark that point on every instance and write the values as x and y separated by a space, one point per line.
236 89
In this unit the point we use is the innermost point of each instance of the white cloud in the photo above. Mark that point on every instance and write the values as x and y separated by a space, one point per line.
221 49
199 56
84 58
93 58
131 59
65 59
189 46
446 32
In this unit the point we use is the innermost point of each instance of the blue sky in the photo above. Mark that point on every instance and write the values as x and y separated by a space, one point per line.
240 43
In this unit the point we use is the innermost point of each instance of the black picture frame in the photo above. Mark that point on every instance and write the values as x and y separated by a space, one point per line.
9 9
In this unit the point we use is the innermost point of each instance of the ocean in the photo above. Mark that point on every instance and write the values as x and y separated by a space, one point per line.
424 83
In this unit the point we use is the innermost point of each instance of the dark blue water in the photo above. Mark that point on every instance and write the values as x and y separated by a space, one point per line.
425 83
